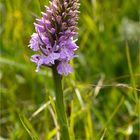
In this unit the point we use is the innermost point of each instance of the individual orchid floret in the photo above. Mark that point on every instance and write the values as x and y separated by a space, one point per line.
54 35
34 45
64 68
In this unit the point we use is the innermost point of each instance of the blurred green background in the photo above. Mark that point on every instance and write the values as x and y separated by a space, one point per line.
101 95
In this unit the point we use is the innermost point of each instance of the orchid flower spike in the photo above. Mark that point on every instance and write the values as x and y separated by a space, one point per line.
54 36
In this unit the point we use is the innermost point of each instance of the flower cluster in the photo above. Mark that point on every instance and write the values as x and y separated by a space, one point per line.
54 35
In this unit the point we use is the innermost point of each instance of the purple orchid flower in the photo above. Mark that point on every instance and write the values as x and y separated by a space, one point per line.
54 35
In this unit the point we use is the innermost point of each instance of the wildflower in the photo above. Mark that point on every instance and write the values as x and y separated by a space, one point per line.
54 35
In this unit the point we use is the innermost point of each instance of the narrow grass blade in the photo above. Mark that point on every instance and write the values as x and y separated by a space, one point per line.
131 72
72 137
28 127
102 137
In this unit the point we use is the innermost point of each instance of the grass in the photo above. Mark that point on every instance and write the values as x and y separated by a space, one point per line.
101 95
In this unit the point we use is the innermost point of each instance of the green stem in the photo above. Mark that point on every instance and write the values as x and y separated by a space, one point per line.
60 108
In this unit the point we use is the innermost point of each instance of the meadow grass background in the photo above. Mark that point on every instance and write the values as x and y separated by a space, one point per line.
101 95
